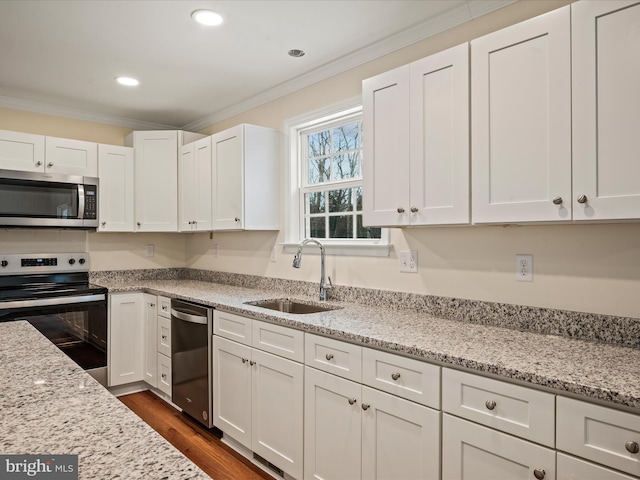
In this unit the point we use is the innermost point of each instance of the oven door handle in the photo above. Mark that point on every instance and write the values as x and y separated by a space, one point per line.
46 302
188 318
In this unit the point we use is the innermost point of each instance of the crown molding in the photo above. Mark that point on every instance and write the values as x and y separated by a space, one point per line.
77 114
470 10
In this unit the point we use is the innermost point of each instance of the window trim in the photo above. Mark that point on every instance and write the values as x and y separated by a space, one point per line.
292 202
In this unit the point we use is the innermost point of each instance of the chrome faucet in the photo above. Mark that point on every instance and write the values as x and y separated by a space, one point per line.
298 258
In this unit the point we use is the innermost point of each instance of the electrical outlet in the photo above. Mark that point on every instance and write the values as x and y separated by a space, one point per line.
149 251
408 260
524 268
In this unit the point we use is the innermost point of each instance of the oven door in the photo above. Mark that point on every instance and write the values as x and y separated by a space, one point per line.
77 325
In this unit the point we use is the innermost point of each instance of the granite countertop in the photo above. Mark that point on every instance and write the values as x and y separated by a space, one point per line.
594 371
50 406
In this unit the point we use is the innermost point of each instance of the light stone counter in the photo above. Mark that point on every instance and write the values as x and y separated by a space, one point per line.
49 405
595 371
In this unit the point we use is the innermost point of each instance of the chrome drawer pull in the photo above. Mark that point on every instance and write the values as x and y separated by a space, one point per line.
632 447
395 376
539 473
329 356
490 404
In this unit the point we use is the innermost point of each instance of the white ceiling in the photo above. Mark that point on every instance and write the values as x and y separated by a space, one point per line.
61 56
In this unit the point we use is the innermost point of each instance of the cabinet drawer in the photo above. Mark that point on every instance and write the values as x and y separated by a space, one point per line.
164 306
408 378
598 433
164 336
333 356
570 468
521 411
164 374
232 326
283 341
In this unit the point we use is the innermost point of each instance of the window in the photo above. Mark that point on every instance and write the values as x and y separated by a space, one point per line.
326 177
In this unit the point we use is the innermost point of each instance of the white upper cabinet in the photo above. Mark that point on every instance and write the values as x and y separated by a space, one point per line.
606 102
416 142
194 186
521 121
21 151
71 157
245 174
115 171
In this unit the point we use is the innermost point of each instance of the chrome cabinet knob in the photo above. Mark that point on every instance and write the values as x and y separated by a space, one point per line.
329 356
245 360
539 473
237 219
104 223
352 401
414 209
400 210
490 404
557 201
395 376
152 305
632 447
50 164
365 406
38 163
252 363
164 337
139 224
164 375
582 199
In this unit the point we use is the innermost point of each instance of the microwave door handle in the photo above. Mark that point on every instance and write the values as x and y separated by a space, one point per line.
80 201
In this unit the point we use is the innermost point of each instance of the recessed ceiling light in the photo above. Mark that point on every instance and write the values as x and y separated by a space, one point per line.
296 53
128 81
207 17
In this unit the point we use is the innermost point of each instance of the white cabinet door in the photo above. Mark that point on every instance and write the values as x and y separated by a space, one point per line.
385 120
71 157
277 411
606 102
439 132
194 177
126 337
473 452
21 151
156 181
521 122
115 171
232 389
150 363
400 439
332 427
227 175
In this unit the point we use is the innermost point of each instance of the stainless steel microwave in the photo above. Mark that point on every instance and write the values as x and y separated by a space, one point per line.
33 199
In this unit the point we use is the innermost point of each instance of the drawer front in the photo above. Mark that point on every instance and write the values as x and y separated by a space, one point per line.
598 433
233 327
333 356
164 306
570 468
283 341
164 374
164 336
408 378
520 411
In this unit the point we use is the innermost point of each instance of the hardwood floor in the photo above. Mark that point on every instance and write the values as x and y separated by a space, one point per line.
202 446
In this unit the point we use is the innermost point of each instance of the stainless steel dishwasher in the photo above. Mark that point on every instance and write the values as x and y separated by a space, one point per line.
191 372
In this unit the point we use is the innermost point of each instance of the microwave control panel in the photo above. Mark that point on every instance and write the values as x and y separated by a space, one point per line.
90 202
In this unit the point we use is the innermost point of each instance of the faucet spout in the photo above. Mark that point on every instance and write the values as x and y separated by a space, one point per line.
297 260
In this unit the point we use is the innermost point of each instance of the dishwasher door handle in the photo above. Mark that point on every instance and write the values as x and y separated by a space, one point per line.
188 317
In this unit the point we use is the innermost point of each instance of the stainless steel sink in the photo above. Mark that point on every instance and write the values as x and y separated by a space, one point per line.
288 305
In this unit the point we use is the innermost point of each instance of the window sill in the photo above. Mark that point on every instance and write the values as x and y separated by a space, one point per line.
343 249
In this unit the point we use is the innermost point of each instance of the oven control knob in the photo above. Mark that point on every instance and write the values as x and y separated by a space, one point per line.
72 261
4 263
81 261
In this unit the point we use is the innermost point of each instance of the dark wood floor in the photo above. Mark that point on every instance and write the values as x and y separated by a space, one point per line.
200 445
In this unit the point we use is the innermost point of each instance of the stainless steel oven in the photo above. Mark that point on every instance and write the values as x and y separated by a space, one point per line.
52 293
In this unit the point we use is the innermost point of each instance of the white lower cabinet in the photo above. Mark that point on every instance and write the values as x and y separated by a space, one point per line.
126 338
157 342
150 362
471 451
164 373
258 397
570 468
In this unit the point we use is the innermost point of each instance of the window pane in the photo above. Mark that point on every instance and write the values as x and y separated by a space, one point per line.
319 144
346 137
315 202
358 194
341 227
318 170
341 200
346 166
317 227
367 232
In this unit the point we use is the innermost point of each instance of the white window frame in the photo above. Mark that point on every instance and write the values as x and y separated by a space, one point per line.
294 215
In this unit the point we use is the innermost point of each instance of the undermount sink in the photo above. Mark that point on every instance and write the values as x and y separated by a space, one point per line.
288 305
